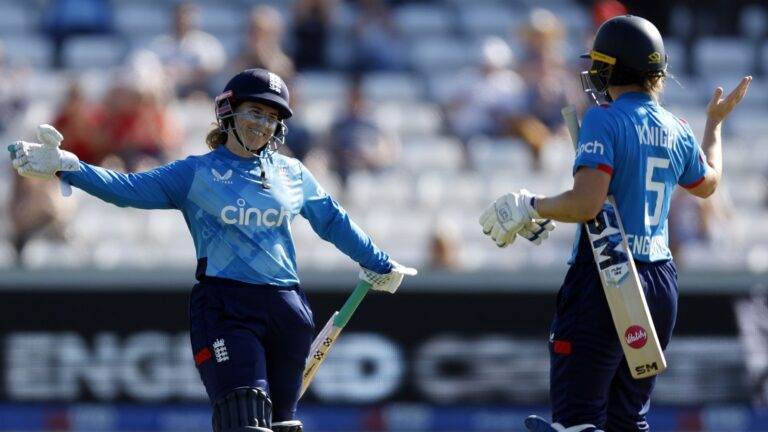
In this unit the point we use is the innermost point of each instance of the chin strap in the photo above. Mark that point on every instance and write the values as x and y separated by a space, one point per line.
260 156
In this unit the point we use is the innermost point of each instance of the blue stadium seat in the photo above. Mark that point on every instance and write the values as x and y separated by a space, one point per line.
27 49
83 52
418 20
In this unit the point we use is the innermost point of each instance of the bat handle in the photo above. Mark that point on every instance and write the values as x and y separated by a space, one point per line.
346 311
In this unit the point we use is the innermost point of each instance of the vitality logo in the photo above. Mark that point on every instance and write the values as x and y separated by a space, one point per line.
636 336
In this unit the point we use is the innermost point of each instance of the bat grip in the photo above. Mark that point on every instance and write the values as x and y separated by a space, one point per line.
346 311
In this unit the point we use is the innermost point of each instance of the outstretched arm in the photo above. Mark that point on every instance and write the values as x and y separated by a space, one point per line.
161 188
717 111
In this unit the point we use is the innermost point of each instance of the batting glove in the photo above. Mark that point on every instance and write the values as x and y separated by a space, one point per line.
42 159
513 214
388 282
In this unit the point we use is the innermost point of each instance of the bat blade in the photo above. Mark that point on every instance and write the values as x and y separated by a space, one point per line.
621 283
318 351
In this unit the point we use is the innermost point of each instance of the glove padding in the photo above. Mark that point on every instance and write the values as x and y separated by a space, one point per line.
42 159
388 282
513 214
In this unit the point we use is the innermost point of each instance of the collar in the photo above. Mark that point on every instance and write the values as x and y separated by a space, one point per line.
223 151
635 96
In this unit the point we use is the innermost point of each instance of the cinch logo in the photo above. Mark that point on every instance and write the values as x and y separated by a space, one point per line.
592 147
636 336
241 215
222 178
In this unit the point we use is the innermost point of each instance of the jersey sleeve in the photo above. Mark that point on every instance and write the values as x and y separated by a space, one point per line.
332 223
597 138
164 187
696 167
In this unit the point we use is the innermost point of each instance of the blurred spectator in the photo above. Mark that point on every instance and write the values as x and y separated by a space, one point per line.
312 20
138 126
696 223
12 99
82 123
263 44
444 247
37 208
603 10
378 44
65 18
484 96
550 83
299 140
190 56
356 141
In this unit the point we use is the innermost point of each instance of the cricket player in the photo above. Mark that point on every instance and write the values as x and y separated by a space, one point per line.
250 324
634 149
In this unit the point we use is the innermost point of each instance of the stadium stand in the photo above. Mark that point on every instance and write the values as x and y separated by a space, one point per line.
432 181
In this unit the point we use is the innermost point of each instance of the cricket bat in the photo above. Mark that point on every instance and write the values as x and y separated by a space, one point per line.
327 336
621 284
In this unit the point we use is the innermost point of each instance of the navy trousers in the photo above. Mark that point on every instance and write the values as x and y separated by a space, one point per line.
590 381
251 335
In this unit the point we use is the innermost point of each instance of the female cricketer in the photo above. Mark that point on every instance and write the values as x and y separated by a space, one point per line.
637 151
251 326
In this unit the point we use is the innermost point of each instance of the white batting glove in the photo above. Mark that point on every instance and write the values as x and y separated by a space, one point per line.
513 214
42 159
388 282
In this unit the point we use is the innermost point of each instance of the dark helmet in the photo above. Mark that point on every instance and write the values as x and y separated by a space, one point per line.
256 85
626 50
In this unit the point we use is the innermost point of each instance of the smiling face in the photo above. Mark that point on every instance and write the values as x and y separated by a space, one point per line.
255 123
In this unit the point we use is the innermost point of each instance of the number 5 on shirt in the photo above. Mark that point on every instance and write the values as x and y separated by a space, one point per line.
618 275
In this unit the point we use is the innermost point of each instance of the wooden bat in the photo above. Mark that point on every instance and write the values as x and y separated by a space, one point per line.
327 336
621 284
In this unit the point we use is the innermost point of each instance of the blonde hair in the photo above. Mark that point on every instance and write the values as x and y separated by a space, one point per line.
654 85
215 138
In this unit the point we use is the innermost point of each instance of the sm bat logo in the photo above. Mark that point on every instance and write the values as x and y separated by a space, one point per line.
608 243
647 368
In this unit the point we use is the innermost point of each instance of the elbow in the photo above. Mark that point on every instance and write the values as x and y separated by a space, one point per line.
706 188
707 192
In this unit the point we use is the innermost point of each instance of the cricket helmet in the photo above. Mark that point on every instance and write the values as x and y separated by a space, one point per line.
255 85
626 50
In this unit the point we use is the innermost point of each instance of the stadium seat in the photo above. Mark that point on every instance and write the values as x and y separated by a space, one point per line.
399 87
16 18
27 49
409 118
133 18
417 20
429 152
490 19
720 54
83 52
440 54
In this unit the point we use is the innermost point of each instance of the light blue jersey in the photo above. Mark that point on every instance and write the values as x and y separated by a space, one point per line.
241 229
647 151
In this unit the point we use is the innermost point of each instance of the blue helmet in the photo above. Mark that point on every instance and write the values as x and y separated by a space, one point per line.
256 85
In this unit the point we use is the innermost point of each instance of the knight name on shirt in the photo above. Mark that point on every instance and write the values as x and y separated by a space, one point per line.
656 136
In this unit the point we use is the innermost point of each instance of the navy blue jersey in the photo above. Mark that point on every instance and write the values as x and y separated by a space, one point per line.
647 151
241 229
